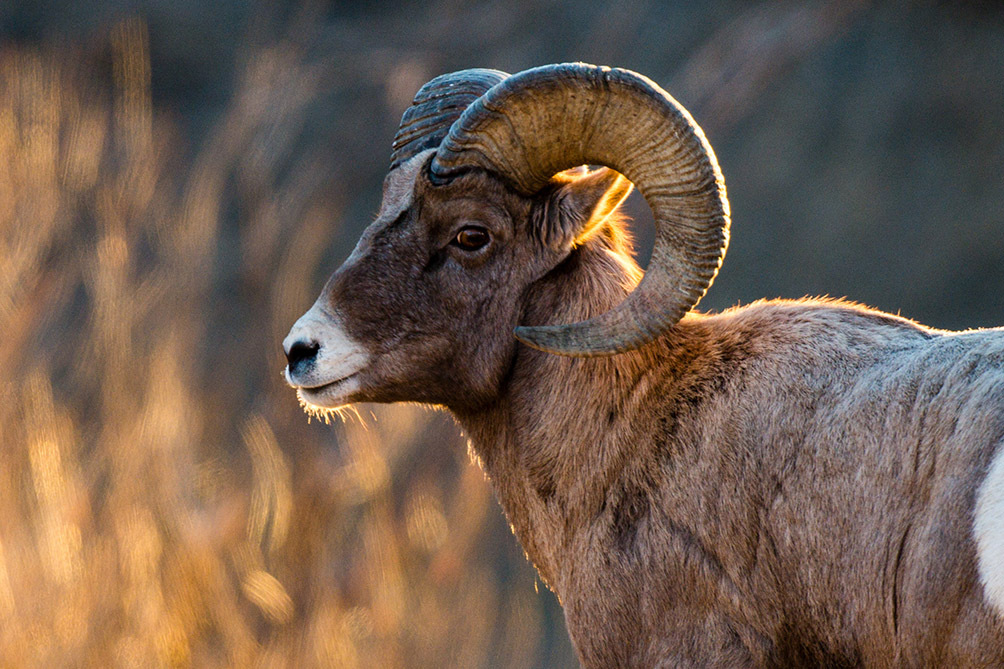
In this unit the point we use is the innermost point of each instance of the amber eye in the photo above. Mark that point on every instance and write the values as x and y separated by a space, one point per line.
471 238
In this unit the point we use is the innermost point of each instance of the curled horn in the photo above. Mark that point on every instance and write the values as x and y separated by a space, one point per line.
532 125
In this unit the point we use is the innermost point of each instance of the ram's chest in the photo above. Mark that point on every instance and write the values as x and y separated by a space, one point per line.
624 626
647 602
604 617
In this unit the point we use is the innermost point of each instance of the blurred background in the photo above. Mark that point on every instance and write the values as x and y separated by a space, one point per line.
179 177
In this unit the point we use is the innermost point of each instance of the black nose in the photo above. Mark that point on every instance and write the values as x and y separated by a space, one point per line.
301 354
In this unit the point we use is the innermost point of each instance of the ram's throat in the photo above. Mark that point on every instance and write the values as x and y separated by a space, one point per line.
541 445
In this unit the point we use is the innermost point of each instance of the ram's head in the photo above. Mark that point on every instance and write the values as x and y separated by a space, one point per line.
478 209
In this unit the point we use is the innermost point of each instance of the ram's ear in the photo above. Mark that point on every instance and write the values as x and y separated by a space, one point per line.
576 204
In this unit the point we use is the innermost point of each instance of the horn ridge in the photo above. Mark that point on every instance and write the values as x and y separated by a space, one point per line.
436 106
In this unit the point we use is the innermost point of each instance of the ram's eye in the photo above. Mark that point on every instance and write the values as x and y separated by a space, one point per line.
471 238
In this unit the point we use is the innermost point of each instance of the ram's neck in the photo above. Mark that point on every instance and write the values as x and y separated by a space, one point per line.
558 436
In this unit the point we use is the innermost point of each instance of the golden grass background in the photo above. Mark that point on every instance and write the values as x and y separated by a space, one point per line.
148 516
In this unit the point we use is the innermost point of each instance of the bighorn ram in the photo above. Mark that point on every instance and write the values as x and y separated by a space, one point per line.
788 483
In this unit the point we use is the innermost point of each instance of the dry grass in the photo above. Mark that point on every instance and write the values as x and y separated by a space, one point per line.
163 501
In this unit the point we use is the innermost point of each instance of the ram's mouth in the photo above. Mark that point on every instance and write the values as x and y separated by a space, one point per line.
329 395
330 384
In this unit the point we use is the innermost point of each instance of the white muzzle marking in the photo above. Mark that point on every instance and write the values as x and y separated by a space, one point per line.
331 377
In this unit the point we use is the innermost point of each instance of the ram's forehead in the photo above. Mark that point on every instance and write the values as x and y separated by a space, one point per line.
399 187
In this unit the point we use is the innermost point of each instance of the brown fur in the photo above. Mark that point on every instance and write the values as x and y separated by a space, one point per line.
785 484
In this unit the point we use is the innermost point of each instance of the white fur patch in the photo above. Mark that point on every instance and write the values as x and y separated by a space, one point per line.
988 529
